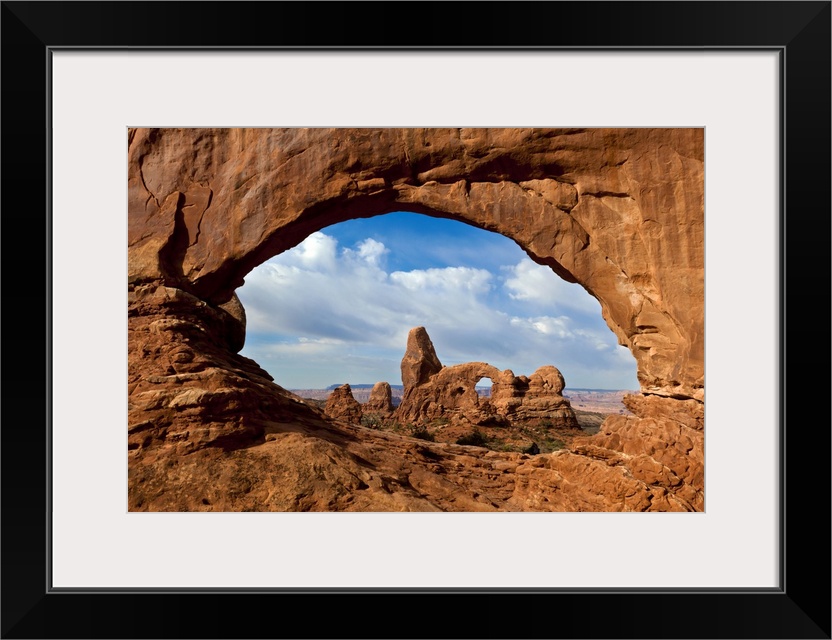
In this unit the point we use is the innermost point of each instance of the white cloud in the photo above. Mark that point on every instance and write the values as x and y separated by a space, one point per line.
317 252
449 279
371 250
314 292
545 325
538 284
368 251
318 315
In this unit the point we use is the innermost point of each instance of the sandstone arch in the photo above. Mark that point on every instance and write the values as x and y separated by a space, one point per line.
619 211
432 391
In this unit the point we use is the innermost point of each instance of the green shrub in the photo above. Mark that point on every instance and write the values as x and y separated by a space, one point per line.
552 444
371 420
532 449
474 439
422 433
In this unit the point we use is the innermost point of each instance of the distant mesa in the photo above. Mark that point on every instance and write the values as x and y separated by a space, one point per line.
332 387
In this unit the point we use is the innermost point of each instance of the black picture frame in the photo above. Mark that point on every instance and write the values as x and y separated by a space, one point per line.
799 31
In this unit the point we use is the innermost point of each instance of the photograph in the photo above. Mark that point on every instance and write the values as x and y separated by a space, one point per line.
416 319
421 302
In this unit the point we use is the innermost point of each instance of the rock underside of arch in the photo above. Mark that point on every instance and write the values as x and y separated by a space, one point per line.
619 211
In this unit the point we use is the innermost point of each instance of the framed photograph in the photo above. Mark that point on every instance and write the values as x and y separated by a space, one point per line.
735 94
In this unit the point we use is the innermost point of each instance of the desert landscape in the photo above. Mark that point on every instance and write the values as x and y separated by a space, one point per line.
443 404
618 211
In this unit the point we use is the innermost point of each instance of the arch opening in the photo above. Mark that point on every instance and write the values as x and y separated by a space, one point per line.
336 308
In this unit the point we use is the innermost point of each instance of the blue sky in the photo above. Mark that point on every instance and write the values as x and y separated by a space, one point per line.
337 308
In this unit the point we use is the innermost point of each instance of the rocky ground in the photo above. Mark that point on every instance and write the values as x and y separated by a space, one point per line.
517 437
209 431
314 464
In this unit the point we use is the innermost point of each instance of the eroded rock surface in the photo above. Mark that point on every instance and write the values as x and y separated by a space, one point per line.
450 392
381 400
187 388
420 361
209 430
537 398
619 211
342 405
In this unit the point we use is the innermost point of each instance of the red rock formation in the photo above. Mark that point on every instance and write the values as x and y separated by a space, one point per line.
619 211
534 399
420 361
341 405
664 450
450 392
381 400
187 389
